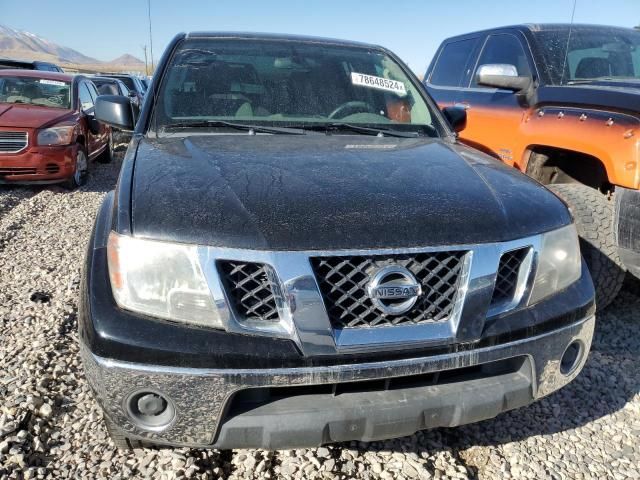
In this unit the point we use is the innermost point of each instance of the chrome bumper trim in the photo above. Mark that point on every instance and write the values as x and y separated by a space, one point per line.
200 395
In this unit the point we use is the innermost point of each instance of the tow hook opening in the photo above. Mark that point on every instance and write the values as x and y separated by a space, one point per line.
571 357
150 410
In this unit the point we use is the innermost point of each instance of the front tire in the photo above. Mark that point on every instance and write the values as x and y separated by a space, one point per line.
80 171
594 217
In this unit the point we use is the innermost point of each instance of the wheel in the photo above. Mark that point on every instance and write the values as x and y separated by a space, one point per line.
80 171
107 155
120 439
350 108
594 217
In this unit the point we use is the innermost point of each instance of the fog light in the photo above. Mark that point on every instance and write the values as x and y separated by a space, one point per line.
150 410
571 358
151 404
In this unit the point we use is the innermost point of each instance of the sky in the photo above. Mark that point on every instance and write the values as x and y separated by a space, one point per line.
413 29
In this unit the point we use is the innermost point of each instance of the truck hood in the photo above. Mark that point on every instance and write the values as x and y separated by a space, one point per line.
285 192
29 116
605 94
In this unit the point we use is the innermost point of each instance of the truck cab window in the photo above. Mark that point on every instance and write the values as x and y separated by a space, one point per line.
450 67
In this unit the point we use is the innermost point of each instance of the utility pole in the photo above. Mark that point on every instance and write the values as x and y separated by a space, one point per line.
146 65
150 34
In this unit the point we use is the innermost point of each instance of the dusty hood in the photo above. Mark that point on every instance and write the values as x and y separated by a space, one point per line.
604 95
29 116
331 192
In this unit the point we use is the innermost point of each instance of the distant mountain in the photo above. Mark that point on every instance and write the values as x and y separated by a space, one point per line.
127 60
21 45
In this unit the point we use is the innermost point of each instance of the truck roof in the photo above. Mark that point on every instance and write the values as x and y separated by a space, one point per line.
544 27
279 36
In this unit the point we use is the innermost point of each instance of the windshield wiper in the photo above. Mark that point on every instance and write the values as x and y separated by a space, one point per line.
237 126
602 79
341 127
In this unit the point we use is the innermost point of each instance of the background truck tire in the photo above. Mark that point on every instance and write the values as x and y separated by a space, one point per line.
594 216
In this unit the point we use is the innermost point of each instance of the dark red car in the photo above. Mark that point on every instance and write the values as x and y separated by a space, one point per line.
48 132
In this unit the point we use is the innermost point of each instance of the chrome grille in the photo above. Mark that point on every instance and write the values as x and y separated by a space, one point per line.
343 282
250 290
507 276
13 142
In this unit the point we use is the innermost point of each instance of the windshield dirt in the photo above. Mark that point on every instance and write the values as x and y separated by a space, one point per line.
593 54
286 83
35 91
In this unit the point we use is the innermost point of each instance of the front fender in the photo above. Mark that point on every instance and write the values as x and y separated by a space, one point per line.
611 137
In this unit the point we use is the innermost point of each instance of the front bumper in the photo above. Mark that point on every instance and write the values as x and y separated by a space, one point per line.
38 165
208 413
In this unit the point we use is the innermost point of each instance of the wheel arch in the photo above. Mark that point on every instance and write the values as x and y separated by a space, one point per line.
551 165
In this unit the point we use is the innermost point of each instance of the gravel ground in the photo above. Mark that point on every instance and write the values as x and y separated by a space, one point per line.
50 427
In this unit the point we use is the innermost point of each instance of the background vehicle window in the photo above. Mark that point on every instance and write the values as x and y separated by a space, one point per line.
452 62
36 91
93 91
609 59
593 53
86 101
107 88
505 49
124 91
128 81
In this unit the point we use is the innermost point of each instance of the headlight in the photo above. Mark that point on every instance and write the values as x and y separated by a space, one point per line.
559 263
160 279
56 136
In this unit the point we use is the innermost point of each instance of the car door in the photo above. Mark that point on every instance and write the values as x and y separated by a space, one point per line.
87 107
451 69
494 115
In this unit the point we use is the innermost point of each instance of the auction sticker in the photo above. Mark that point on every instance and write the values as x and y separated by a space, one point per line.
380 83
53 82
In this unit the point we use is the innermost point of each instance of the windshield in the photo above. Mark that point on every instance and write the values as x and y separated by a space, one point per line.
35 91
593 54
286 83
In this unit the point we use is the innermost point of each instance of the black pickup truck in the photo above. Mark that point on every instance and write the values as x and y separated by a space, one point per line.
298 251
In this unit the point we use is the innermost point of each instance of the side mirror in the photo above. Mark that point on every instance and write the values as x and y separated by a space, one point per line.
502 75
457 117
133 94
115 110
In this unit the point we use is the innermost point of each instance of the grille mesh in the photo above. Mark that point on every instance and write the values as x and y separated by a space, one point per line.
12 142
507 277
250 290
343 282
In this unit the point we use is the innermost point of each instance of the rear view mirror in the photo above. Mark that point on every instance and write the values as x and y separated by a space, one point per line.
115 110
457 117
502 75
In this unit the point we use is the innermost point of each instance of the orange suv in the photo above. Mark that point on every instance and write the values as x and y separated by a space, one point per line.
48 132
561 103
